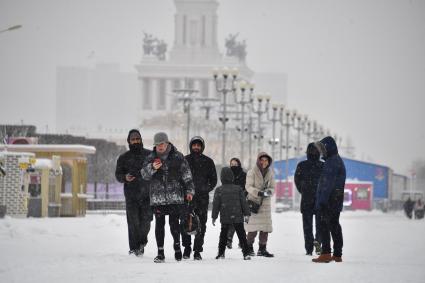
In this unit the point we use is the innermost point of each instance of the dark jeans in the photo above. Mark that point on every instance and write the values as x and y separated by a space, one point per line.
308 229
139 217
329 225
198 243
174 213
240 231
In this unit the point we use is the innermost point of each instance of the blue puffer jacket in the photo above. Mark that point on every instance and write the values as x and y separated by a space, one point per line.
330 191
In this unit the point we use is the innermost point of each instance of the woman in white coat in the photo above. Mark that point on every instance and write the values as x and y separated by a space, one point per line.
260 187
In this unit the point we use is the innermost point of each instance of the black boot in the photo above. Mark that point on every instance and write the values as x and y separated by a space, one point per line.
262 251
220 255
186 252
250 251
197 256
160 257
177 252
141 250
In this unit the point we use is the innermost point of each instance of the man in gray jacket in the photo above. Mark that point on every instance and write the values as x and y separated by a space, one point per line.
170 184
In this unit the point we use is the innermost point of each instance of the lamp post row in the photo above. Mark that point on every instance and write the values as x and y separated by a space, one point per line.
227 81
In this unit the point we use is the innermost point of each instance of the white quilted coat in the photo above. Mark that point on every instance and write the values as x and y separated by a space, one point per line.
261 221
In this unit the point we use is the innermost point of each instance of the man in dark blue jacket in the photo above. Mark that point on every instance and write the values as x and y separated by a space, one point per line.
307 177
136 192
329 200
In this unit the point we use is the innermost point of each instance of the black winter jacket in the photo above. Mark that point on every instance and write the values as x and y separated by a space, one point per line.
170 183
203 170
131 163
229 200
240 177
203 173
307 177
330 191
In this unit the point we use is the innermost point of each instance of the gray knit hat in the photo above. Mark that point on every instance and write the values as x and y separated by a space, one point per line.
159 138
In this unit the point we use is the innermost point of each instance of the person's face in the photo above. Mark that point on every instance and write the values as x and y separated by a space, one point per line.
196 147
135 139
162 147
233 163
264 162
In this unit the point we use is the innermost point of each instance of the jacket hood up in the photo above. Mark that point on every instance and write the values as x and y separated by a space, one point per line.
329 146
226 176
312 152
197 139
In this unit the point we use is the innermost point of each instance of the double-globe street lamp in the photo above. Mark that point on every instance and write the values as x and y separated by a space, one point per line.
299 127
185 95
274 119
244 100
225 81
260 110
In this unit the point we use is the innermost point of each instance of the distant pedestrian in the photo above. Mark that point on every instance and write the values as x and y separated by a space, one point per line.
136 192
329 200
260 186
408 207
230 202
170 185
240 180
419 209
307 177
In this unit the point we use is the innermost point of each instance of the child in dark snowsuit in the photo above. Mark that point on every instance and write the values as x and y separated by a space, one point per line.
230 202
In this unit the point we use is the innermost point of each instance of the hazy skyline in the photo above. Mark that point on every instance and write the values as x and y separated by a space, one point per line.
358 67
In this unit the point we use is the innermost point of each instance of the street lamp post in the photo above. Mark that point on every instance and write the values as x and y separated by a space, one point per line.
274 119
287 124
250 132
301 121
244 100
282 123
260 111
185 96
227 79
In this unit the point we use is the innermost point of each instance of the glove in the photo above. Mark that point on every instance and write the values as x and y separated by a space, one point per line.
246 219
213 222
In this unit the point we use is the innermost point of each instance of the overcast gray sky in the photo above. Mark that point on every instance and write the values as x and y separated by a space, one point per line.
357 66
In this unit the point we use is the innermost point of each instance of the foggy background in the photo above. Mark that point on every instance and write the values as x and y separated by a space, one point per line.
358 67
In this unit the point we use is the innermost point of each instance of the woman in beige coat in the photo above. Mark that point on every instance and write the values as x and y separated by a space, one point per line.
260 187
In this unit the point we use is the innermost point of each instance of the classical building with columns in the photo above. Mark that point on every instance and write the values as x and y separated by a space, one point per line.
150 94
193 56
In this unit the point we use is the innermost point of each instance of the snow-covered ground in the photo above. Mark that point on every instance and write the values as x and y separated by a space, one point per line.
378 247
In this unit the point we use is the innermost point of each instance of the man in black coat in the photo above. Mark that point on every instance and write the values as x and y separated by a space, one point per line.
170 185
408 207
205 180
307 177
230 202
136 192
329 200
240 180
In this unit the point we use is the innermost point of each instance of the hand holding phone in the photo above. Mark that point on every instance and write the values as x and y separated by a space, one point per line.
157 163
